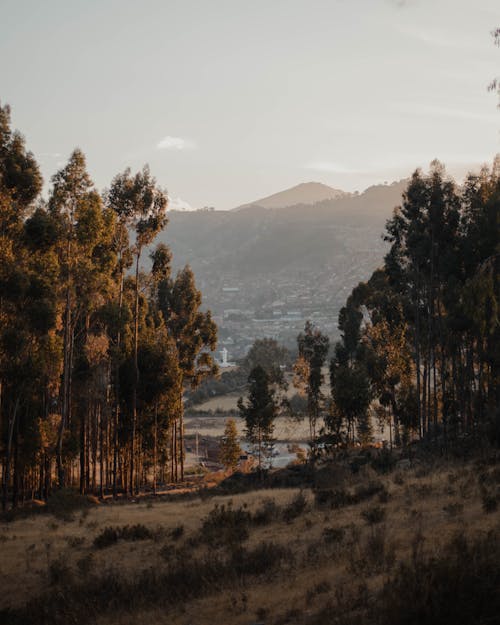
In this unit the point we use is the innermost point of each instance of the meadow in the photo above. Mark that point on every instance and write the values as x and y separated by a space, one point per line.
327 552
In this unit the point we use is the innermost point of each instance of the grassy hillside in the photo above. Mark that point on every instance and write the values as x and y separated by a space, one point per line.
416 545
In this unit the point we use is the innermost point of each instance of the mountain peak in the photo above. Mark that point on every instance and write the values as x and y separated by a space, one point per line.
303 193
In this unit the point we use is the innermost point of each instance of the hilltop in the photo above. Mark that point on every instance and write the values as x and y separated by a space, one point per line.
303 193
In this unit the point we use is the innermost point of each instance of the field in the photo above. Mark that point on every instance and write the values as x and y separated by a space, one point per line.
285 429
281 555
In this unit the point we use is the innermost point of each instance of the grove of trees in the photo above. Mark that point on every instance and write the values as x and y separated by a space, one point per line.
95 354
420 341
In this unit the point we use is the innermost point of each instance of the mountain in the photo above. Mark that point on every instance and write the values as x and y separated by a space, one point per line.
263 271
303 193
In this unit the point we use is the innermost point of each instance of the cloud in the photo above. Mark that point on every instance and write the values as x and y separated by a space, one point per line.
331 167
178 204
175 143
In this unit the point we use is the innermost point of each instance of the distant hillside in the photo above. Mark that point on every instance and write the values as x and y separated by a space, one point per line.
263 271
304 193
259 240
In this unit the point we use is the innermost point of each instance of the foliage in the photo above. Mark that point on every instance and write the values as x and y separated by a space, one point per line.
313 348
259 413
93 361
229 449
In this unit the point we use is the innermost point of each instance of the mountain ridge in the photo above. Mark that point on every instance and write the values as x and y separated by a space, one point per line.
303 193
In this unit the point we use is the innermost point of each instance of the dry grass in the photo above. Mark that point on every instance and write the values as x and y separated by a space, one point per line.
336 552
285 429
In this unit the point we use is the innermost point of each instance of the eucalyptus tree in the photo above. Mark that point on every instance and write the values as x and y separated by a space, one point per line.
20 183
193 331
140 205
313 349
77 206
259 412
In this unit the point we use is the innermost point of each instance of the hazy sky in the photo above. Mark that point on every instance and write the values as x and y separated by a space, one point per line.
231 100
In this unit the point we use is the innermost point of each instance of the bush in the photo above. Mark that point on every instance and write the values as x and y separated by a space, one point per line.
262 559
384 462
339 498
295 508
65 502
460 585
75 541
333 534
373 515
453 509
59 572
267 513
490 503
111 535
85 564
177 532
318 589
225 526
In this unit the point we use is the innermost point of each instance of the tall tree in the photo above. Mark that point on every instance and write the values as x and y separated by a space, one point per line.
194 333
141 204
259 412
313 349
72 194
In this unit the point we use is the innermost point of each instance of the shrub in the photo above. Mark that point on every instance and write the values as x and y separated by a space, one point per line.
111 535
75 541
333 534
373 515
267 512
225 526
85 564
318 589
459 585
490 503
59 572
384 462
135 532
453 509
262 559
340 497
177 532
378 553
295 508
65 502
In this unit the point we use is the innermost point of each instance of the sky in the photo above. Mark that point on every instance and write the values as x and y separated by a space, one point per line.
232 100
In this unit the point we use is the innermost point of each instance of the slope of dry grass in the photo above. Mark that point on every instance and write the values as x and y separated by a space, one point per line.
271 556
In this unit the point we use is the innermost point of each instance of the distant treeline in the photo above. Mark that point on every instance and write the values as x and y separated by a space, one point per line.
94 354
